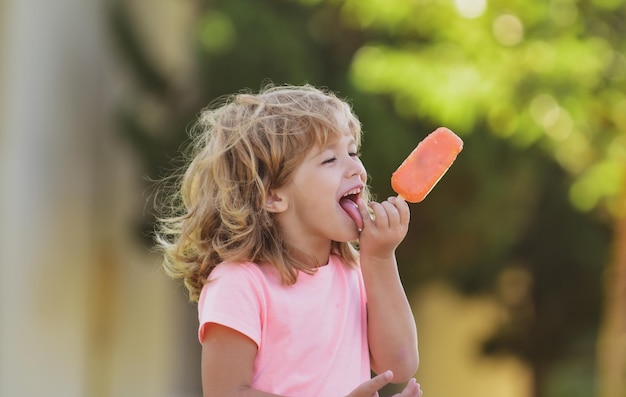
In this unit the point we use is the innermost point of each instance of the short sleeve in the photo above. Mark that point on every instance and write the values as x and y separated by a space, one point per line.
233 298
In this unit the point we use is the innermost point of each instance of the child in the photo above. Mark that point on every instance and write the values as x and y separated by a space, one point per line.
271 204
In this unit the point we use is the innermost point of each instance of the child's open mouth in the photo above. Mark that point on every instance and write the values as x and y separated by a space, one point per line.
348 203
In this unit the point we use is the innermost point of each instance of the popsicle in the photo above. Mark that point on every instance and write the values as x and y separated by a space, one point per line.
427 163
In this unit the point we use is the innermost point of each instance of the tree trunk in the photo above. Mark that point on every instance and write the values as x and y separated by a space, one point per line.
612 337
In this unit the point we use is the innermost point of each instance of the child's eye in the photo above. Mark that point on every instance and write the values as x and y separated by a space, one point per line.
330 160
355 154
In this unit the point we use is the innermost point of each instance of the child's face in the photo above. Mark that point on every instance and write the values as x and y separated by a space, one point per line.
312 216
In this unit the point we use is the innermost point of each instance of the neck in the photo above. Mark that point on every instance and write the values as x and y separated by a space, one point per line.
311 261
308 248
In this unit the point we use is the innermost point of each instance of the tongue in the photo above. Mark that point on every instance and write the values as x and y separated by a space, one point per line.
353 210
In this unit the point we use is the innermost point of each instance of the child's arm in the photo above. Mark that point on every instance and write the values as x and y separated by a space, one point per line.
392 335
227 362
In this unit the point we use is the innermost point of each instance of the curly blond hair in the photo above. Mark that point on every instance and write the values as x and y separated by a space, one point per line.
240 149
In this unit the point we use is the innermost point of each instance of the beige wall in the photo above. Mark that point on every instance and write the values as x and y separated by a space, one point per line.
84 310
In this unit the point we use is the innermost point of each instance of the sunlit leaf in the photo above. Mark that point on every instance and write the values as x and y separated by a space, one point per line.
216 32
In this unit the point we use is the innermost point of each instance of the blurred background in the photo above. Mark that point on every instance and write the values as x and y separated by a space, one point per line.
515 264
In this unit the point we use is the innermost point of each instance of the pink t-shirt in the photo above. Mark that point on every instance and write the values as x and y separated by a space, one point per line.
311 336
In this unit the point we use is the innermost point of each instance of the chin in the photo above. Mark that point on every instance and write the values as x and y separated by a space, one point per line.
347 237
353 236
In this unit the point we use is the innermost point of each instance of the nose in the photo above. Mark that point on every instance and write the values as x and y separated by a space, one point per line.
355 168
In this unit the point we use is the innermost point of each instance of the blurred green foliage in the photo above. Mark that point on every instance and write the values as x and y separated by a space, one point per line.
550 73
537 89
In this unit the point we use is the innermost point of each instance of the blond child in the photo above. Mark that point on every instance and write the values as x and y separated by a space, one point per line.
264 232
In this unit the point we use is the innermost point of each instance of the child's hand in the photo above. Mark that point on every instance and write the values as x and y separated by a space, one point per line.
371 387
385 228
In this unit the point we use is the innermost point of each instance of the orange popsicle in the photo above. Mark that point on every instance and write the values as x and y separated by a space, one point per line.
425 166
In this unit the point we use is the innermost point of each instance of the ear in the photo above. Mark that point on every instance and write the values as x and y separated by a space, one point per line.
275 201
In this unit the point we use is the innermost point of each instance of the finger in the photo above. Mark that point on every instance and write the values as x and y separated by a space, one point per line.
418 388
373 385
364 209
393 212
409 390
412 389
403 210
380 214
380 380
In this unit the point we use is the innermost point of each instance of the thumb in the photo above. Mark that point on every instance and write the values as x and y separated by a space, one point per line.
370 387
